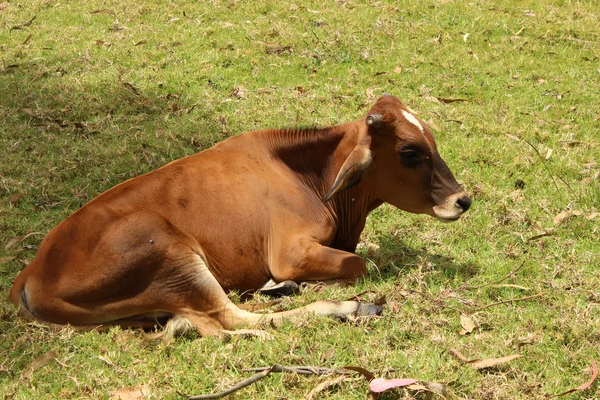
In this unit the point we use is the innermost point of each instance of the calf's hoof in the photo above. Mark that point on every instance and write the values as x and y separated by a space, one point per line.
368 309
285 288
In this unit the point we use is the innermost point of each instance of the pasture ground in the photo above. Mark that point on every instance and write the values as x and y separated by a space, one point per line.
96 92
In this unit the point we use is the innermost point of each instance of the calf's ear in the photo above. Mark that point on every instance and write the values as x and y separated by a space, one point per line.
354 167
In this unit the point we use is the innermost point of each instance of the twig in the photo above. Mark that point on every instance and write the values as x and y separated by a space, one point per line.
238 386
508 301
493 283
303 370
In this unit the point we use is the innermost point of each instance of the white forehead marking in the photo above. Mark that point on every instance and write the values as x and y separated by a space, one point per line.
413 120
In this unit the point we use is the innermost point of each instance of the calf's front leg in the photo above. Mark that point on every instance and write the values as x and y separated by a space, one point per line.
309 261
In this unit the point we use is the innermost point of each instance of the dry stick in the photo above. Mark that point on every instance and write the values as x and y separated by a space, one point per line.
240 385
303 370
508 301
493 283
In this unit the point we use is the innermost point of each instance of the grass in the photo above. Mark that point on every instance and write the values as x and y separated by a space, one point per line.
93 93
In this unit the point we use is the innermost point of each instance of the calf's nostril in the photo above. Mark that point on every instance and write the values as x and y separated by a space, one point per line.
464 202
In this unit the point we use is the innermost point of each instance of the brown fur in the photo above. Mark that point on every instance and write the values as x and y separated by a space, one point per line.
271 204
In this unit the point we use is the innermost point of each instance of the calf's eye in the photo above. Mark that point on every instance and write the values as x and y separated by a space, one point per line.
410 157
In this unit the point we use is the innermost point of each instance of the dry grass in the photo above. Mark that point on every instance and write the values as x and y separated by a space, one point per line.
92 93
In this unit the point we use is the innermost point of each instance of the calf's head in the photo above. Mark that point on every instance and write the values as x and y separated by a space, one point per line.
397 158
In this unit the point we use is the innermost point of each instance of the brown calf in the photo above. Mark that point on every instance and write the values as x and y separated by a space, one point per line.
265 205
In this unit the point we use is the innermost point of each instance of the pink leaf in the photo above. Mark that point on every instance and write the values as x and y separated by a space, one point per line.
381 384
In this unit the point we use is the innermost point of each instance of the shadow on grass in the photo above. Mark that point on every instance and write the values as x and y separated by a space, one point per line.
395 257
52 100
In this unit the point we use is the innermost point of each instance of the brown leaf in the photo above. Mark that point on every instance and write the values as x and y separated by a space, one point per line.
132 88
434 387
103 11
14 198
30 21
37 364
5 259
492 362
564 215
30 112
370 94
398 70
3 6
459 355
433 125
141 42
585 385
467 324
129 393
27 39
18 239
448 101
12 242
278 49
239 92
313 394
364 372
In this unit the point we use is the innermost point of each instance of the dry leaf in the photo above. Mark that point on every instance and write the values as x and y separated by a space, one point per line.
239 92
37 364
103 11
433 125
129 393
363 371
278 49
448 101
314 394
14 198
5 259
132 88
27 39
492 362
434 387
467 324
3 6
18 239
398 70
564 215
106 360
30 112
459 355
370 94
585 385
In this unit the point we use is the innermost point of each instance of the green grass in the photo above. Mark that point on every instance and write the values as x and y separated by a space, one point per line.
89 99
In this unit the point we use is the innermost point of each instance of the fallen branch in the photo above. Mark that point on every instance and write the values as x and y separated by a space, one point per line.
508 301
